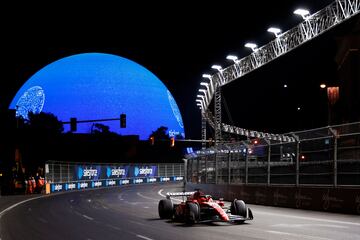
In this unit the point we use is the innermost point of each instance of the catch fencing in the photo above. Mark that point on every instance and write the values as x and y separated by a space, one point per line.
322 156
66 176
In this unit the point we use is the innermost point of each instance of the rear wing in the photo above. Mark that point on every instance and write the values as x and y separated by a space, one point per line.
178 194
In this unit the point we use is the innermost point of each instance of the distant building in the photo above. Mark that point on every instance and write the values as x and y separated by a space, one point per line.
348 60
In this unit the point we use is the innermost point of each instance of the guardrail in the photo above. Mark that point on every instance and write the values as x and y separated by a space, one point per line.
66 176
324 156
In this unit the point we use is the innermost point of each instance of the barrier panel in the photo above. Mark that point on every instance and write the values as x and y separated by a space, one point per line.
62 176
342 200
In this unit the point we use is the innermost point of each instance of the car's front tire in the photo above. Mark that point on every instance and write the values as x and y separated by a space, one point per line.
192 213
238 207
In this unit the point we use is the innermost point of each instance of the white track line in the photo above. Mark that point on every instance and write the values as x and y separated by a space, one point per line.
301 236
87 217
143 237
148 198
160 193
19 203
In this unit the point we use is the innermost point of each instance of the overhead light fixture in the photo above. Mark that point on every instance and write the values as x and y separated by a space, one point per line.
253 46
232 58
206 76
304 13
275 31
217 67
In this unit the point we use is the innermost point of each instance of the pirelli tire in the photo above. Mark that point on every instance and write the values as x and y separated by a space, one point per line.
166 209
238 207
192 214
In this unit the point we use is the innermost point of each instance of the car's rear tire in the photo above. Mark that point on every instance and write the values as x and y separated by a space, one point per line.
192 213
165 209
238 207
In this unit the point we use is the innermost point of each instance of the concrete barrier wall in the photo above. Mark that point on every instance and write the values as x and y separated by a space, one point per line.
330 199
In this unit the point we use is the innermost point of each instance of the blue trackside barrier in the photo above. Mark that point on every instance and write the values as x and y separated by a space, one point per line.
104 183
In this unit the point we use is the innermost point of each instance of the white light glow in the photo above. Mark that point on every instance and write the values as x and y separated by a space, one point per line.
302 12
232 58
323 85
275 31
202 90
253 46
217 67
204 84
206 76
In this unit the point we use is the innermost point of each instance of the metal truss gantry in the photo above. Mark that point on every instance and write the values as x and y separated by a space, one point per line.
313 26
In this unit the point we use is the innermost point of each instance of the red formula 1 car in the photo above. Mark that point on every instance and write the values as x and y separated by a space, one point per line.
198 207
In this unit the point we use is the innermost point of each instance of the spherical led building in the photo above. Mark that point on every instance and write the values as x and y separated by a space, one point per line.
95 86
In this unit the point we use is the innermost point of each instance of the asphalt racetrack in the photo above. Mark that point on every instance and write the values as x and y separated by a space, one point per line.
130 212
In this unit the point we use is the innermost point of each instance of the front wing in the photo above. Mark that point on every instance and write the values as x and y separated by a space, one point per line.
232 218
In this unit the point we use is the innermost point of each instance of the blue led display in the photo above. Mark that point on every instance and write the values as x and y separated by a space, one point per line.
93 86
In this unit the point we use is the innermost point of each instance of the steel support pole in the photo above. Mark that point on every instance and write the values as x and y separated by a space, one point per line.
203 130
217 106
229 168
185 170
246 167
206 169
268 161
334 133
216 169
297 162
335 161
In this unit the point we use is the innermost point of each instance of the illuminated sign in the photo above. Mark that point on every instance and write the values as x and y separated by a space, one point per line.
116 172
56 187
97 184
111 183
164 179
88 173
83 185
145 171
124 182
70 186
139 180
151 180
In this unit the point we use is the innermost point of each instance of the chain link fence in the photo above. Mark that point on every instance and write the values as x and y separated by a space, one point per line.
323 156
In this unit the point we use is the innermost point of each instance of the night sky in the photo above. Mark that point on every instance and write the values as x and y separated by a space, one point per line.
179 41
